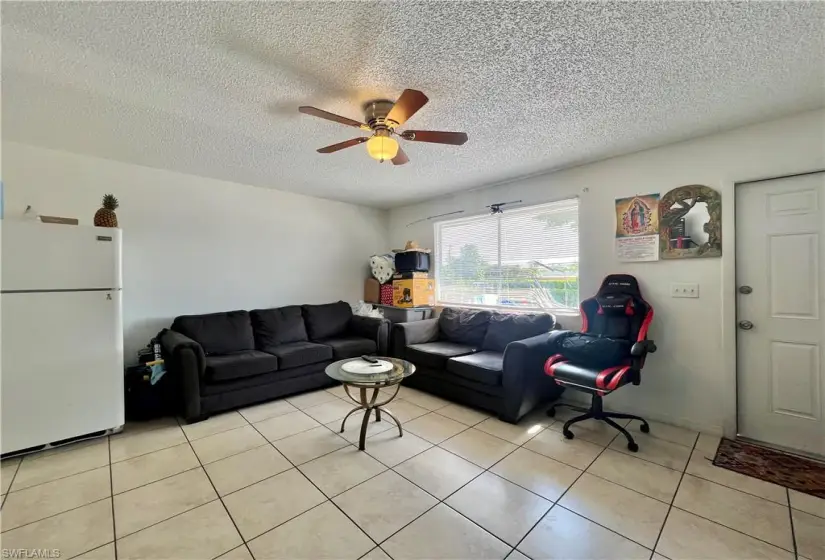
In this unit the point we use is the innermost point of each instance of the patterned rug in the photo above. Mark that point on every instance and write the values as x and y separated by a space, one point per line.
791 471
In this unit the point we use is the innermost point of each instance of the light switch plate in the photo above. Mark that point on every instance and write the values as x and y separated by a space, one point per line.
684 290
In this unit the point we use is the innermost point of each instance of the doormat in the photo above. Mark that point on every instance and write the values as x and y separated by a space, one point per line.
784 469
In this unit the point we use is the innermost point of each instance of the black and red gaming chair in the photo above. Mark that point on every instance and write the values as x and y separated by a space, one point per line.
608 353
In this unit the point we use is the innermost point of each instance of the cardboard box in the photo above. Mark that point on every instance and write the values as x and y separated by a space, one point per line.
372 291
413 293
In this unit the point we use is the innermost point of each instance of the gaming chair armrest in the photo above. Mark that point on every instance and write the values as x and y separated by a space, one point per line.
639 349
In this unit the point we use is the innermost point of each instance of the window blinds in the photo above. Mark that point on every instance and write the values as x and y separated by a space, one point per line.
526 258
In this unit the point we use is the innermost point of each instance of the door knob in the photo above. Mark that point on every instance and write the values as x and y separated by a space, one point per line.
745 325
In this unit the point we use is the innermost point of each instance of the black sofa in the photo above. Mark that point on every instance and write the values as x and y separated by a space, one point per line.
493 361
226 360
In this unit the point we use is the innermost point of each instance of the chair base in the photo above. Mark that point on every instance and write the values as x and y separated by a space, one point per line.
596 411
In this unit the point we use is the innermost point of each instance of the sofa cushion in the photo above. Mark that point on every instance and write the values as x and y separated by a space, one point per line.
294 354
435 354
218 333
286 377
239 364
505 328
465 326
350 346
278 326
481 367
328 320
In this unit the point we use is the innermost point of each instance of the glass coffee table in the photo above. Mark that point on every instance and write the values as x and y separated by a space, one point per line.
364 382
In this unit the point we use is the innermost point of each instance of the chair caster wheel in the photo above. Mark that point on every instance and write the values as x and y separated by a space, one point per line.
551 412
644 428
633 446
568 434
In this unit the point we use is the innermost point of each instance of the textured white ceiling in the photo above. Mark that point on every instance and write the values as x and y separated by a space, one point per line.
212 89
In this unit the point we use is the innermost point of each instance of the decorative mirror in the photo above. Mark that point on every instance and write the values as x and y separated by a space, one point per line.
690 223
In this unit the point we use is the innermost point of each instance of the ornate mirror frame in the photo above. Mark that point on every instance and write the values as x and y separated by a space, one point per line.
669 217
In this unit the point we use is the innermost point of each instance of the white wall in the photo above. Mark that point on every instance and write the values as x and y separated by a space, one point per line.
197 245
685 381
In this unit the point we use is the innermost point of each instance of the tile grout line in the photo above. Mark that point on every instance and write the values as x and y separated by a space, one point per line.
61 478
110 463
215 489
518 446
732 528
56 514
149 453
467 427
13 476
112 495
722 524
790 518
382 472
556 502
440 501
484 470
670 507
219 497
694 475
319 490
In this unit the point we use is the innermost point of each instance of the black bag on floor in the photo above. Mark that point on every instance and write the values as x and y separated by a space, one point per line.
145 401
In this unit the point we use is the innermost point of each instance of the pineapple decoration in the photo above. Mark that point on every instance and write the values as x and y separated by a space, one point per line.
105 216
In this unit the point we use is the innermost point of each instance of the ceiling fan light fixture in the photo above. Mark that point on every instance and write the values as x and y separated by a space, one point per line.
382 147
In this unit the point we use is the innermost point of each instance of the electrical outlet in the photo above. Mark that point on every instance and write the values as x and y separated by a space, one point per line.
684 290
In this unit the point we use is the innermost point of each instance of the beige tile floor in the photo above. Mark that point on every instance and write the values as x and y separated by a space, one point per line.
276 480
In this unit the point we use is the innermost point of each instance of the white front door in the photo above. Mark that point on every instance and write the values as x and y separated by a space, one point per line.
780 261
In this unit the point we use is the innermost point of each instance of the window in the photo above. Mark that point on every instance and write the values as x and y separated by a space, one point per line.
526 258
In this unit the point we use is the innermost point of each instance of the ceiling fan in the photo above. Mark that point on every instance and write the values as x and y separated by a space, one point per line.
383 117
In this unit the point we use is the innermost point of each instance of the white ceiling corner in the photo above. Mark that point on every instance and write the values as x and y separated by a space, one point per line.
212 89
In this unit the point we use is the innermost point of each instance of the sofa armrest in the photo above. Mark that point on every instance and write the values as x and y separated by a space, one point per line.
374 328
186 360
524 381
414 332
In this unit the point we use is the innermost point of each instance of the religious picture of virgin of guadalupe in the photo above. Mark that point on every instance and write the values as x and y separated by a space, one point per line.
637 228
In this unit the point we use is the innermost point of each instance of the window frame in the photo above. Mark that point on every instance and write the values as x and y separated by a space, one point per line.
438 224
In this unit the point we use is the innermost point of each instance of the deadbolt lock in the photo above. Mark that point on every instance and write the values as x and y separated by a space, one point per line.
745 289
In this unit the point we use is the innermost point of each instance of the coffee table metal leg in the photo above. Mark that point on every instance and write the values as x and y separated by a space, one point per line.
364 423
368 405
397 423
377 408
344 421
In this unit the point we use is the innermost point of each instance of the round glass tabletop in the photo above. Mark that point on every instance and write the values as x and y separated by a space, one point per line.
400 370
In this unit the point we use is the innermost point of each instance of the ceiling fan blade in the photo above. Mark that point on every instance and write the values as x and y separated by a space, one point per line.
435 136
408 104
342 145
400 158
329 116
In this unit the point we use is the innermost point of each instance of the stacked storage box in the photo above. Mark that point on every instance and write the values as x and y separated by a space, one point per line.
412 285
386 294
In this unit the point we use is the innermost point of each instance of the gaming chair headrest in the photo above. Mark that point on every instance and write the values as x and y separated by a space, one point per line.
620 284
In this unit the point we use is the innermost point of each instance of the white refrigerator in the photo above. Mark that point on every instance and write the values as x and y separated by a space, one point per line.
62 333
